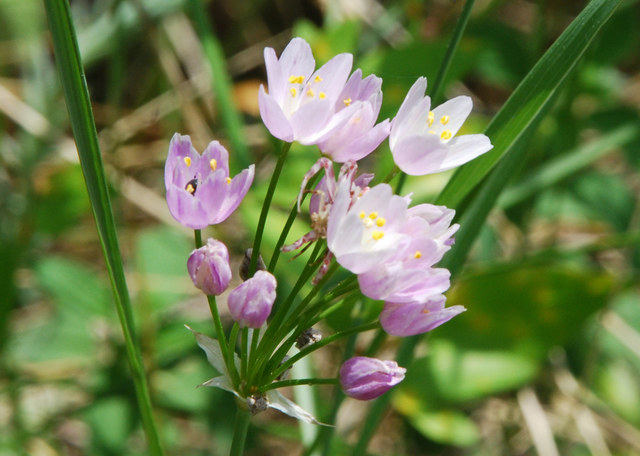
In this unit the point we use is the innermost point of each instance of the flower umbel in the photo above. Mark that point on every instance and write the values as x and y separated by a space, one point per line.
199 189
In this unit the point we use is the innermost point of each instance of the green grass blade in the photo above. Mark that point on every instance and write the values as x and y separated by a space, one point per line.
222 87
77 98
524 106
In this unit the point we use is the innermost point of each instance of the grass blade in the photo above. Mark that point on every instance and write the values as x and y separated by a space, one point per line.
84 130
525 105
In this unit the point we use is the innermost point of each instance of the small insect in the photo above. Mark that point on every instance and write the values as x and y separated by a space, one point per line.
191 186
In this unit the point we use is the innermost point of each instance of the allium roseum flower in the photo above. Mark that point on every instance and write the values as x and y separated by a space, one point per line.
365 234
357 137
300 105
199 189
367 378
209 268
272 399
423 141
250 302
408 319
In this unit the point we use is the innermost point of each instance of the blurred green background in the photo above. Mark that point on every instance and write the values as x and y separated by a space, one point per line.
545 361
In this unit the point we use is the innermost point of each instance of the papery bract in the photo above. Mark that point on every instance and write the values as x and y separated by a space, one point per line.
408 319
300 106
209 267
423 141
358 136
250 302
367 378
199 189
274 399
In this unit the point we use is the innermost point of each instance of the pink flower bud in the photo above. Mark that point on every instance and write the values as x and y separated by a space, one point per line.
250 303
367 378
209 267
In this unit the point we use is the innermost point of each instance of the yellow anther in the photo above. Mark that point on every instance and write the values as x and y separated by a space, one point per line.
426 311
310 93
317 79
347 101
187 161
444 120
445 135
381 221
362 215
213 164
322 95
377 235
430 118
190 188
228 180
418 254
373 215
431 132
293 91
296 79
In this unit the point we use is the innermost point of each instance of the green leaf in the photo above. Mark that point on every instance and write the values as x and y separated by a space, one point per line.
111 422
524 107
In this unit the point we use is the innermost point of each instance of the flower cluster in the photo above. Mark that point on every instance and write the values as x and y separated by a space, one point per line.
392 248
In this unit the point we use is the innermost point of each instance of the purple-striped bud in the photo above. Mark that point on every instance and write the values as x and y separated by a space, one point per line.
367 378
250 303
209 267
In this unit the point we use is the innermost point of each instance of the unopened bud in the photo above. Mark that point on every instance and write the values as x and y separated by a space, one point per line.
257 403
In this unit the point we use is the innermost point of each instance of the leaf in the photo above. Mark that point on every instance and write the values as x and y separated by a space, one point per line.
524 107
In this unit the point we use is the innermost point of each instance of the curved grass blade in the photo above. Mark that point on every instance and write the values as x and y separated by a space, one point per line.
84 130
526 104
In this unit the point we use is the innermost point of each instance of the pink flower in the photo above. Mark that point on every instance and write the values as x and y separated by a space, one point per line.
424 142
357 137
199 189
209 267
408 319
251 302
300 105
367 378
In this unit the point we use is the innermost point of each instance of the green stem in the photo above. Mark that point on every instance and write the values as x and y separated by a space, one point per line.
222 340
266 205
300 381
244 352
311 348
76 94
240 427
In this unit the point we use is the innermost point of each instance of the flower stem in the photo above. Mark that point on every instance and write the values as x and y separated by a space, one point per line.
240 427
299 381
265 207
222 340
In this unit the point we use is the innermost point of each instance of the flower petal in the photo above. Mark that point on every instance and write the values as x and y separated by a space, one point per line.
465 148
419 155
457 109
273 117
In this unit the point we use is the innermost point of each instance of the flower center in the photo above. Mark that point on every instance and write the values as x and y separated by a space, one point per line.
191 186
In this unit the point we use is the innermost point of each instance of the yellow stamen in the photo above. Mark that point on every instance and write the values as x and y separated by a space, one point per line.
190 188
213 164
426 311
418 254
322 95
381 221
296 79
445 135
310 93
293 91
430 118
187 161
444 120
347 101
362 215
228 180
431 132
373 215
377 235
317 79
